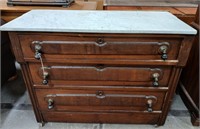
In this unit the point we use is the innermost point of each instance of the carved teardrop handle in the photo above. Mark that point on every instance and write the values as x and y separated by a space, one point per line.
45 76
38 49
50 103
163 50
155 79
149 105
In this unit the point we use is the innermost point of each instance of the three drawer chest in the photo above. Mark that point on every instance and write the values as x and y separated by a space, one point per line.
100 66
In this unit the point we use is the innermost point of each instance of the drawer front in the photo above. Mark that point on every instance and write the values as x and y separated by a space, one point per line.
56 45
96 117
99 100
99 74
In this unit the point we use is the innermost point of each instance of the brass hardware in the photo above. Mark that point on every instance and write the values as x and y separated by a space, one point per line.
163 50
149 105
100 94
155 77
45 76
50 103
38 48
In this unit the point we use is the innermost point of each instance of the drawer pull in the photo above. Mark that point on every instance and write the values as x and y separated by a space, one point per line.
50 103
45 76
155 79
163 50
149 105
38 48
100 42
100 95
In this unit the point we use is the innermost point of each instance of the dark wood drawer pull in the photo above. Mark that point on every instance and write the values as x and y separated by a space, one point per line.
155 79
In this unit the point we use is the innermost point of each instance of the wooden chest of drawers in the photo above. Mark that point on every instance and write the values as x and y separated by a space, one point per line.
101 77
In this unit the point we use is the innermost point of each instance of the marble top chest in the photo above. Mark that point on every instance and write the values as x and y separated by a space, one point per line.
100 66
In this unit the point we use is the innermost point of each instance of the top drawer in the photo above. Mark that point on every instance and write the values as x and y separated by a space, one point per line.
53 46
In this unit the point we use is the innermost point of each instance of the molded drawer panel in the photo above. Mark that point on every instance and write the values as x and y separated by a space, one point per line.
54 45
99 74
92 100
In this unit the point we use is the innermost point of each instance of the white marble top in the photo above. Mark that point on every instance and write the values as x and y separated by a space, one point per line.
136 22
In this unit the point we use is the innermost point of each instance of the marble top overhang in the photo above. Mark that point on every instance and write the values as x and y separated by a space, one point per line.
81 21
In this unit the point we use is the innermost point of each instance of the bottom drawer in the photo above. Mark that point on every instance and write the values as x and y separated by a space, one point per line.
95 117
101 100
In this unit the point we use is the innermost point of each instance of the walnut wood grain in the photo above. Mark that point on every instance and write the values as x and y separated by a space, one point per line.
82 47
16 47
90 101
96 117
26 76
168 99
78 73
62 74
110 45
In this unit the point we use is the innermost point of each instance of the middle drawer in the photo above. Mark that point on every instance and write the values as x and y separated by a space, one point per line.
98 75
